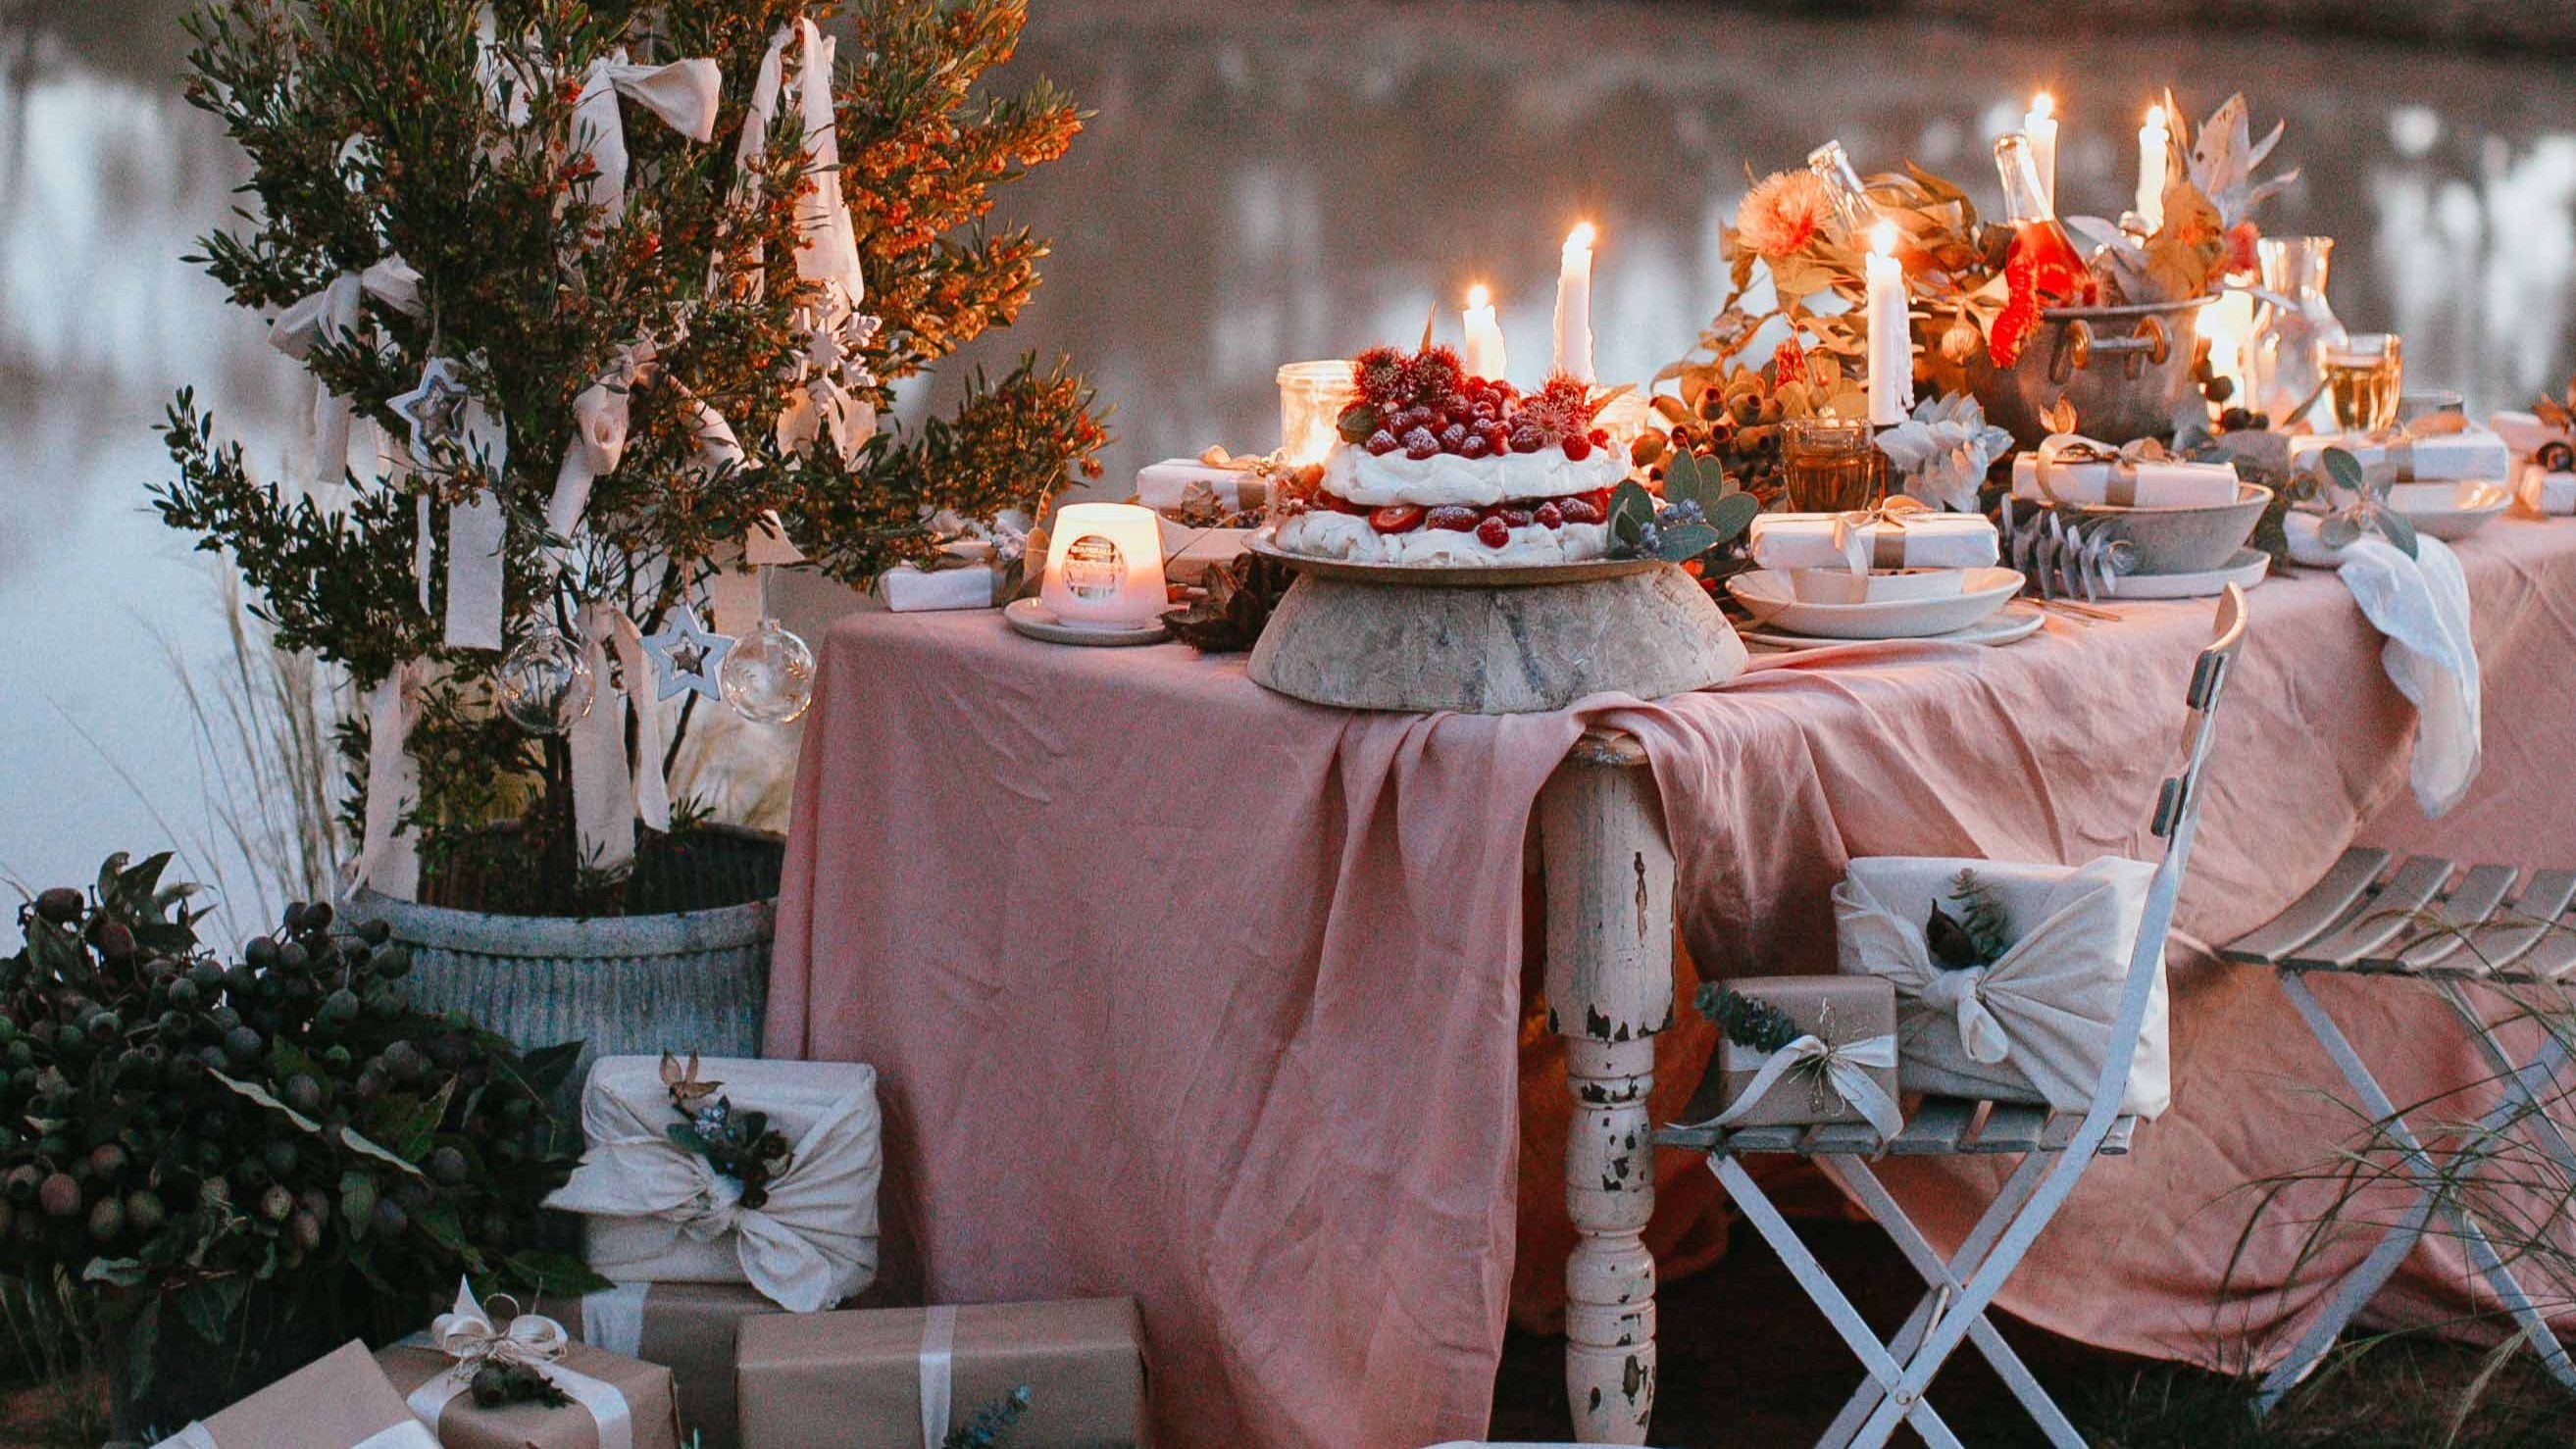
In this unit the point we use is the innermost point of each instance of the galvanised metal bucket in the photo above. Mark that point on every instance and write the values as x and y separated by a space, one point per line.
2126 369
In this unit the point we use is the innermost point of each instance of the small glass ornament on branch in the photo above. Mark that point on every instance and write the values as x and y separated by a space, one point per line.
544 683
768 674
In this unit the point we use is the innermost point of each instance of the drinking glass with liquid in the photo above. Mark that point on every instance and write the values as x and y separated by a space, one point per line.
1831 465
2365 376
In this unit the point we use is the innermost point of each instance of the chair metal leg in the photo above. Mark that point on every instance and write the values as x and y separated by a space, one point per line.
2524 1084
2419 1165
2350 1296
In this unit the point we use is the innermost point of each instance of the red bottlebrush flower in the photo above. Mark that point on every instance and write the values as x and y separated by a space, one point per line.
1788 363
1433 375
1783 213
2241 256
1560 411
1379 375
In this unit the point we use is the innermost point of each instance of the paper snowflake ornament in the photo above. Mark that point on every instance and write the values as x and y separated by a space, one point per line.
434 412
686 657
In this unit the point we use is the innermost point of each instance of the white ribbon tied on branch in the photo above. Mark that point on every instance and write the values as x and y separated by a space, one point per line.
331 315
388 860
683 93
609 791
600 414
468 1334
1843 1069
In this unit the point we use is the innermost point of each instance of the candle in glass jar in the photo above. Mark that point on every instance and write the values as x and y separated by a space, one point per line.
2040 125
1574 305
1484 334
1104 566
2154 142
1891 335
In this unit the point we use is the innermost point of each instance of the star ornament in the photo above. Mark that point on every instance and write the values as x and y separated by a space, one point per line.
434 412
686 657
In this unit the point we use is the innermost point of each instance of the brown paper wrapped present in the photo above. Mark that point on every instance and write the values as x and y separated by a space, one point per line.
339 1401
687 1328
650 1405
857 1380
1841 1068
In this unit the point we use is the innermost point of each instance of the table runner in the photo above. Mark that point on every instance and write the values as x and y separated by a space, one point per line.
1182 989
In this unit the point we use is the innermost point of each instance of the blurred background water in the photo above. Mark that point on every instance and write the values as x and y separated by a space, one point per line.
1259 184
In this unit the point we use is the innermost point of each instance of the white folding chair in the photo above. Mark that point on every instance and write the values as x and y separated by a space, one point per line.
2054 1151
2364 920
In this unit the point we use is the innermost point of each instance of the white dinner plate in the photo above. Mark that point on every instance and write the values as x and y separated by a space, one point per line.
2468 512
2245 570
2018 619
1772 600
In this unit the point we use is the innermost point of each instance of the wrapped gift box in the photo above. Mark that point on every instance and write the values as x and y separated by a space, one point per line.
655 1212
1841 1012
2473 455
2169 484
1926 541
601 1384
1878 586
1188 553
2542 491
2523 433
1167 484
857 1380
687 1328
341 1400
2034 1025
910 589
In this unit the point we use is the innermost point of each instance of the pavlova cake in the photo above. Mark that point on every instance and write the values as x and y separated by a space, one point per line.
1437 469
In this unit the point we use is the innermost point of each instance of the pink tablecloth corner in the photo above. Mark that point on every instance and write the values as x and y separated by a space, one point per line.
1183 989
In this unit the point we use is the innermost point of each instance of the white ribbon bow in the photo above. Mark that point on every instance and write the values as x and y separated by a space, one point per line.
332 315
683 93
1843 1068
1961 993
468 1334
600 414
1861 534
828 247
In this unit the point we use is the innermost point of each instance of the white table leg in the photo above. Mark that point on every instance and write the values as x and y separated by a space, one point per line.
1609 875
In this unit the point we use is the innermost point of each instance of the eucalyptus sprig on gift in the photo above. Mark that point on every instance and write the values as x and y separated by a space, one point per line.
993 1425
737 1144
1748 1021
1977 936
2339 475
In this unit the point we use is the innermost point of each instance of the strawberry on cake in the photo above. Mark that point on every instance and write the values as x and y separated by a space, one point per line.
1437 469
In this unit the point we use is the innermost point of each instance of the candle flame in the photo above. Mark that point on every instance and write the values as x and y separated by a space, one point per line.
1580 239
2155 118
2041 107
1477 296
1882 238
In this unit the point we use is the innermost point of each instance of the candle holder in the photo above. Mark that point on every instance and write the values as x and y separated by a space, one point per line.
1311 398
1831 465
1104 568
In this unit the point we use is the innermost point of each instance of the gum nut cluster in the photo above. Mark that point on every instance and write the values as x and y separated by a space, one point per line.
168 1117
1424 404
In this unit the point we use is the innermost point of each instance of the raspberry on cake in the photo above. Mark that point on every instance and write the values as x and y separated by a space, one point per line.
1436 468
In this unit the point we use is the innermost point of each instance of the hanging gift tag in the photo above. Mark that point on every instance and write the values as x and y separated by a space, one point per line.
475 531
735 596
387 860
603 798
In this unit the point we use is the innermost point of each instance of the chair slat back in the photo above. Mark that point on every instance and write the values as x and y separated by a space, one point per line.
2176 820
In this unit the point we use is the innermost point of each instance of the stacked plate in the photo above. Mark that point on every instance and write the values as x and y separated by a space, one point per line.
1981 611
2171 549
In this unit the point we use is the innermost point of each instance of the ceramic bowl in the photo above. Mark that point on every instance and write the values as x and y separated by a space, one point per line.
1772 598
2180 540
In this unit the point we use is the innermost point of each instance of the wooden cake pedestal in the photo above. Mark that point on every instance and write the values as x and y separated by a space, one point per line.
1490 640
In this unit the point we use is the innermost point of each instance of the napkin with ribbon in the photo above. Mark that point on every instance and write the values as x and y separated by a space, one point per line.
615 1402
2034 1025
2071 468
656 1211
1900 534
2422 605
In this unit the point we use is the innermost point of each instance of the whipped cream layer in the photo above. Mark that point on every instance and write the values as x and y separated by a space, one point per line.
1324 534
1381 479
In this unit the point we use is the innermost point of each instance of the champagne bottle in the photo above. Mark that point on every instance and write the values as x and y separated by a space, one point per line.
1853 210
2057 270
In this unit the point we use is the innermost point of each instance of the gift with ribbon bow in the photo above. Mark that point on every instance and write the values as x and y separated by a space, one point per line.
1900 534
1805 1051
655 1210
2070 468
2034 1023
688 1328
581 1397
902 1378
341 1400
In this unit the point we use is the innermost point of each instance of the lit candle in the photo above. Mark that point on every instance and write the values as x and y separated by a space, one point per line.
2154 141
2227 323
2040 125
1574 305
1104 566
1891 336
1484 334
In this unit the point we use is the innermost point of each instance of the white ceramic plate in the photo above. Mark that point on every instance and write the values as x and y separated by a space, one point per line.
2469 511
1036 620
2018 619
2245 570
1768 595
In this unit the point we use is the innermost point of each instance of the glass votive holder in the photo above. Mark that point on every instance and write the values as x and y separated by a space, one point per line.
2426 402
1830 465
1311 398
1104 567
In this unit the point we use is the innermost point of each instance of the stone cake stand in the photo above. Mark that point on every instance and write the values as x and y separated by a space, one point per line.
1501 640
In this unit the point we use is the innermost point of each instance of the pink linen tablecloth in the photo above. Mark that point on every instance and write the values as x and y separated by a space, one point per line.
1183 989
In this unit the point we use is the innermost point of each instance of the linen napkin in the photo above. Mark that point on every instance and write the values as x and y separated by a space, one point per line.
2422 605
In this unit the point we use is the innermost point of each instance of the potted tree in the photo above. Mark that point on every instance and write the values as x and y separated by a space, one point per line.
600 303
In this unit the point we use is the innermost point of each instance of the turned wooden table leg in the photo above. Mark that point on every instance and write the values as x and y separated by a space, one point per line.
1609 874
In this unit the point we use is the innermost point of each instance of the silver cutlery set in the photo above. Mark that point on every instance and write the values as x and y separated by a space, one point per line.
2064 558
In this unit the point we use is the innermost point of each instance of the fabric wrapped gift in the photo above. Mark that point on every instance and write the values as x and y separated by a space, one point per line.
617 1402
901 1378
341 1400
2034 1025
1234 481
2525 433
912 589
1841 1068
687 1328
2473 454
2095 474
1923 540
655 1212
2544 491
1188 553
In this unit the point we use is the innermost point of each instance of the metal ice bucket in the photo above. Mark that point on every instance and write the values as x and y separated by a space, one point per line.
2126 369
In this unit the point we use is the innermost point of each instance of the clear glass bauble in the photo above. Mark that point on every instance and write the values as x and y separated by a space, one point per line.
545 684
768 675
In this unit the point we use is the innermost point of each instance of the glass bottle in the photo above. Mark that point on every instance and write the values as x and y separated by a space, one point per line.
2058 272
1853 210
2285 350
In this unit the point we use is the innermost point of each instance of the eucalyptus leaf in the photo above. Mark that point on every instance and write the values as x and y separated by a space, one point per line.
1686 542
2398 532
117 1272
2344 469
358 1143
1632 510
265 1098
1731 515
2339 531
